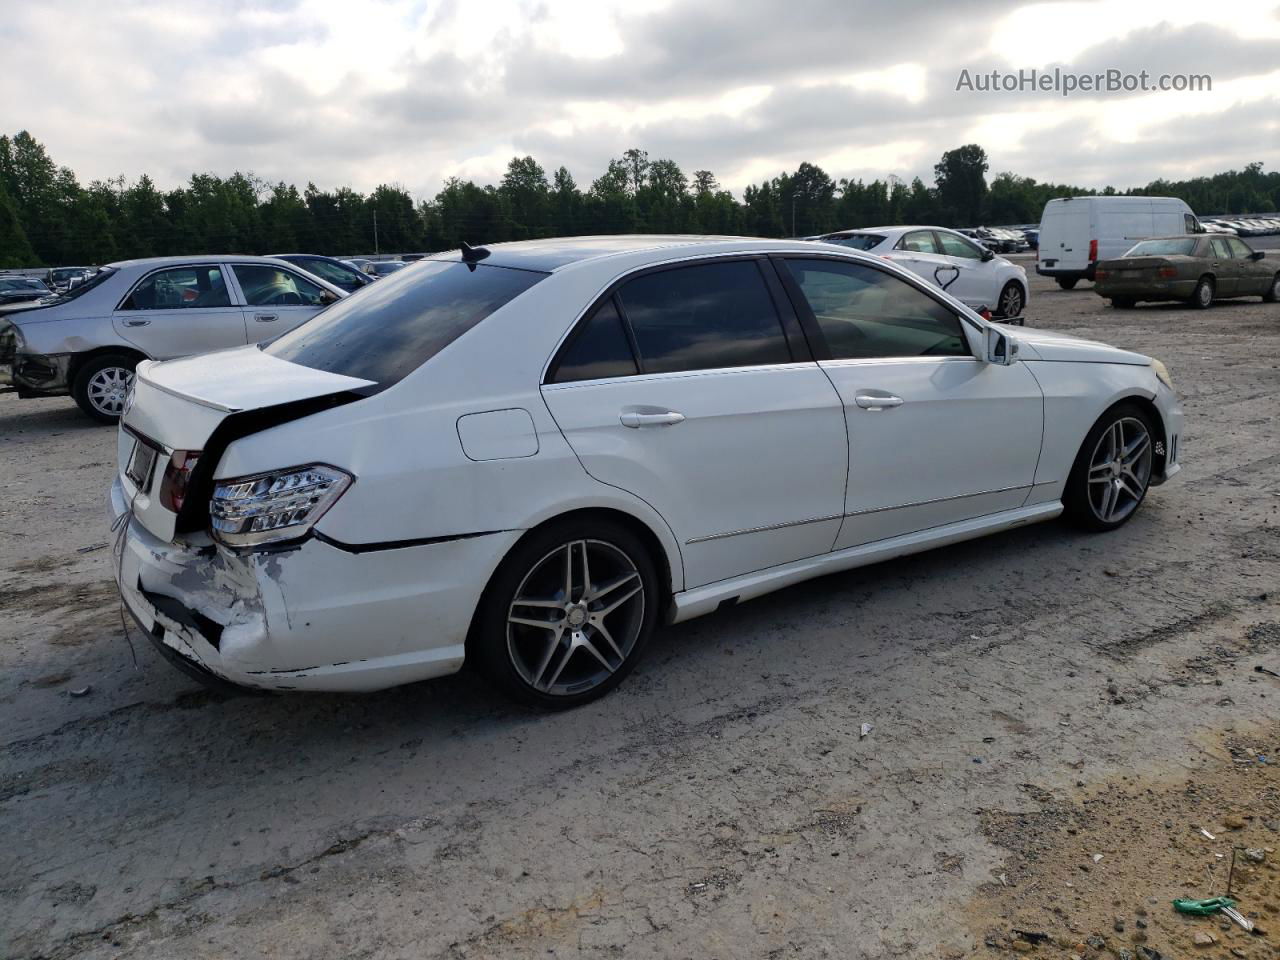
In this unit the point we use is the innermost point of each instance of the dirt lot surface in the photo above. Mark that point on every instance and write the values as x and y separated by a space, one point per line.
1038 698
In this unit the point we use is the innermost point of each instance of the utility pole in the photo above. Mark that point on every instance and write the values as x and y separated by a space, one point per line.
375 232
793 214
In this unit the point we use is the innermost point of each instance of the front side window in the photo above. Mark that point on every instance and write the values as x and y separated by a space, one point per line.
180 288
266 286
1239 249
598 349
1192 224
703 317
918 241
400 323
955 246
864 313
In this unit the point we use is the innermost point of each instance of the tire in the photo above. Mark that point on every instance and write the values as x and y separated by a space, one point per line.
1273 292
1123 303
100 386
1202 296
1067 283
1105 491
1012 300
570 661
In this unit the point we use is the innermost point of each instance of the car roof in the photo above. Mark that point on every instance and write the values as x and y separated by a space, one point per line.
179 261
550 255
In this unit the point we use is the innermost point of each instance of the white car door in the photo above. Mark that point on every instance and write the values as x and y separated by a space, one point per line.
180 311
692 388
276 299
918 251
936 435
977 283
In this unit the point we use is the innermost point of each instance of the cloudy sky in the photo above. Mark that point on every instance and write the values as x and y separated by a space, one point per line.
362 92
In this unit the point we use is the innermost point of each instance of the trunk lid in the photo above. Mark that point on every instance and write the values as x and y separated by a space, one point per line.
198 405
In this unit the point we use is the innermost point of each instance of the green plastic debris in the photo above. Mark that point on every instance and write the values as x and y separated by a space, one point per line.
1203 908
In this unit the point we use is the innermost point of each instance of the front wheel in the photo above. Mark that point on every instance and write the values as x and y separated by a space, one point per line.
1067 283
101 386
1273 291
1112 472
568 614
1011 300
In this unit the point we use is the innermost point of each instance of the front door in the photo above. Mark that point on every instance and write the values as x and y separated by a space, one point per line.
685 389
976 282
276 299
936 434
1256 276
180 311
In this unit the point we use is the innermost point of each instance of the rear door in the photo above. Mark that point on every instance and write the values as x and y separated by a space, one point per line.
692 388
1064 235
1226 268
919 252
276 299
179 311
936 435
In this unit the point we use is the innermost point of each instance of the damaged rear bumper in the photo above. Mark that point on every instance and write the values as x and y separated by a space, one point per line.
314 617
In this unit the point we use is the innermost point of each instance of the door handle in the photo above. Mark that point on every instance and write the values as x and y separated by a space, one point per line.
266 317
629 418
136 323
869 401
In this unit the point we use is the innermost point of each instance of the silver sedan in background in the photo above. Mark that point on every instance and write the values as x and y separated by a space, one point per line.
87 341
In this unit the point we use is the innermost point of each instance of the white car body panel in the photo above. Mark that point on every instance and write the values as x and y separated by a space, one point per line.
1069 225
454 463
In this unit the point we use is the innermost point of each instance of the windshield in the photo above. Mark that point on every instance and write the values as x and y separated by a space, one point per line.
400 323
1177 247
858 241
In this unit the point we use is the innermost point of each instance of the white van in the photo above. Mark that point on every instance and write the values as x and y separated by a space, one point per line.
1077 232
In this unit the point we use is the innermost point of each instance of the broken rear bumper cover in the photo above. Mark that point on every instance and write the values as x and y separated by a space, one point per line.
311 617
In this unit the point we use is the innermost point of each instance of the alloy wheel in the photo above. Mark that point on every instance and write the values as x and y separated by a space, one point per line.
1120 470
108 389
1204 293
575 618
1011 301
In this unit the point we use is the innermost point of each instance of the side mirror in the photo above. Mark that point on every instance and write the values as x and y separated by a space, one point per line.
987 254
1001 348
1257 255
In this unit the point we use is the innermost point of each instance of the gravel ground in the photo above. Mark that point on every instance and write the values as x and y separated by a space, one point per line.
721 803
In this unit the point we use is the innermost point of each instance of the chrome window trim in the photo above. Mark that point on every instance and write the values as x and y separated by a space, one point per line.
681 374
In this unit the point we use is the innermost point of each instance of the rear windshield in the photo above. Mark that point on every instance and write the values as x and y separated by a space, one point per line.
397 324
859 241
80 289
1177 247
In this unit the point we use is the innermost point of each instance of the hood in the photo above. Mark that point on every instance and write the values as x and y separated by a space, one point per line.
1060 347
199 405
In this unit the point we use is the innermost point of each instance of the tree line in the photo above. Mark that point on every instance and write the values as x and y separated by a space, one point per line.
47 217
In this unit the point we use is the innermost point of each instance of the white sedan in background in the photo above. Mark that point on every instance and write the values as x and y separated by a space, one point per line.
972 274
532 455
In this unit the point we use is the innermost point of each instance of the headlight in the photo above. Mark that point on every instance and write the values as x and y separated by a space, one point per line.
1162 372
270 507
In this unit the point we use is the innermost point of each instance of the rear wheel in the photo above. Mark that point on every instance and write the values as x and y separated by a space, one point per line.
1202 297
1011 301
101 385
1067 283
1112 472
1123 303
568 613
1273 292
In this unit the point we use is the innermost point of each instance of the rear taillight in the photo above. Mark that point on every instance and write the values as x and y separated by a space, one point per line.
276 506
177 475
1093 250
1167 273
984 313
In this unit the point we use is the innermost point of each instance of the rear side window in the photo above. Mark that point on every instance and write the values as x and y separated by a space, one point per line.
1219 248
919 241
599 349
181 288
400 323
865 313
704 316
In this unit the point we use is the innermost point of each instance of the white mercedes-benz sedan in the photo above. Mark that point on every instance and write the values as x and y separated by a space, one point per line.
971 273
531 455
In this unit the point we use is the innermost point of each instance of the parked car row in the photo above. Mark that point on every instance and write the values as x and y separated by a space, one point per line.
1261 226
948 259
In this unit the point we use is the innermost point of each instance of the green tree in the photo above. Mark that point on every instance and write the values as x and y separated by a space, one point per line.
961 182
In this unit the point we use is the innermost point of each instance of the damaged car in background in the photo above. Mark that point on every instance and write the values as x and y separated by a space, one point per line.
531 455
86 341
